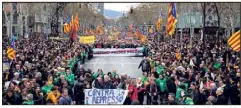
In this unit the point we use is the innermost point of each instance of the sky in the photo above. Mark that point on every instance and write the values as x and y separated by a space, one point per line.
119 6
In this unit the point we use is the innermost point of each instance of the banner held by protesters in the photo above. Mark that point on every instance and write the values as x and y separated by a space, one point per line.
105 96
87 39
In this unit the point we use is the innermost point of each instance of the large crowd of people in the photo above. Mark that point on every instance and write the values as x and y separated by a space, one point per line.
51 72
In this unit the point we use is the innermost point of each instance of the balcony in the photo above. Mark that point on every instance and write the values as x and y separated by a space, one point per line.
15 22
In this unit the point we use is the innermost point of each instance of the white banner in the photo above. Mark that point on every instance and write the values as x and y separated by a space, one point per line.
118 52
105 96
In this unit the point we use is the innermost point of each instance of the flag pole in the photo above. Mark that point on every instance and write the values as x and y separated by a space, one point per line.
181 25
240 54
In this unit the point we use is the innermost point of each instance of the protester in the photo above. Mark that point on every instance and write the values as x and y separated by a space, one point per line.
43 68
152 92
171 99
141 91
145 65
65 99
54 95
220 97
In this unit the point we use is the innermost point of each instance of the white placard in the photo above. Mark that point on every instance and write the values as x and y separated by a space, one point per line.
105 96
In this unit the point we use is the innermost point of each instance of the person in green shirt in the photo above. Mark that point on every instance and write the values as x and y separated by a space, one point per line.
187 100
217 65
161 82
144 78
113 73
71 63
46 88
183 81
29 100
69 77
180 89
99 72
159 68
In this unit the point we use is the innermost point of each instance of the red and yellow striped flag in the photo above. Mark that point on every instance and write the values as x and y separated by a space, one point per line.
158 24
66 28
178 55
143 38
137 34
234 41
71 23
172 19
76 21
151 30
11 53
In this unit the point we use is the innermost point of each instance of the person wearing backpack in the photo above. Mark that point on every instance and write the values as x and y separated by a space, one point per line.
145 65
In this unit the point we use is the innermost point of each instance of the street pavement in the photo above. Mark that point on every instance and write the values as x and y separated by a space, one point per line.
127 65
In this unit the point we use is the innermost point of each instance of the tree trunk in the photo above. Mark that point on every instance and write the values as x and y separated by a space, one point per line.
232 24
218 22
204 26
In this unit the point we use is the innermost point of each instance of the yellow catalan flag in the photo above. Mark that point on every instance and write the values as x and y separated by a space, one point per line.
234 41
178 55
137 34
158 24
11 53
143 38
151 30
172 19
66 28
76 22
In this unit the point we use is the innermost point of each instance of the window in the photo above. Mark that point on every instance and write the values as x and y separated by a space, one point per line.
4 30
14 6
15 19
3 18
13 29
44 8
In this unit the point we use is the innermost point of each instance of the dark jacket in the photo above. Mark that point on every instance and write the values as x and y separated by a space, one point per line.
172 103
141 93
171 86
220 100
81 72
233 93
199 98
79 93
226 93
14 100
98 85
202 71
145 64
152 88
108 85
39 100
